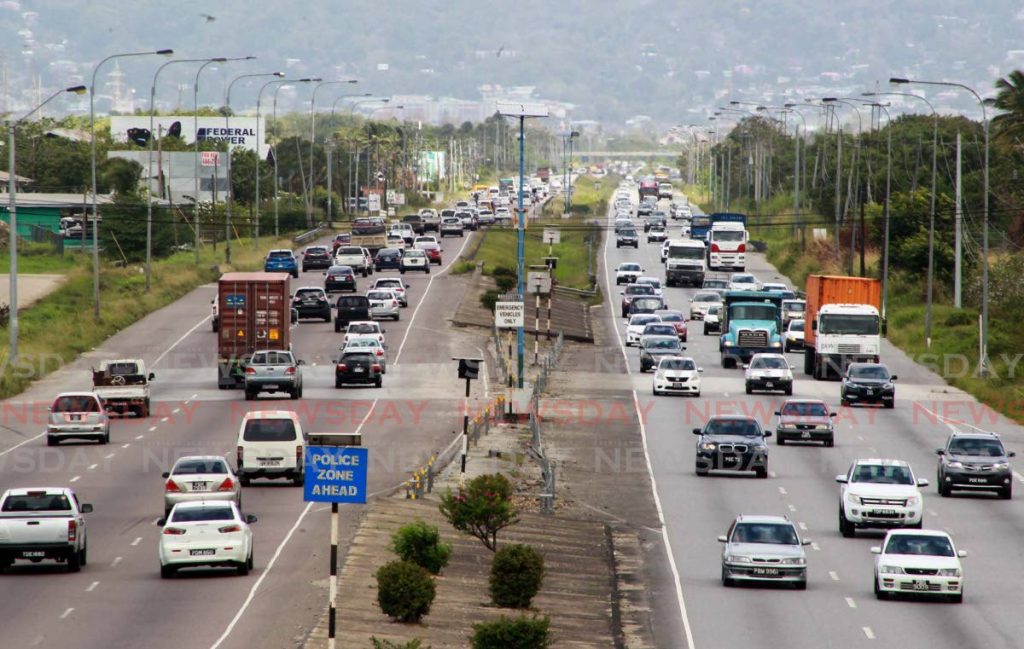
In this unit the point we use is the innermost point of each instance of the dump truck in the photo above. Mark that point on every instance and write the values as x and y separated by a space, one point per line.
255 314
842 323
751 324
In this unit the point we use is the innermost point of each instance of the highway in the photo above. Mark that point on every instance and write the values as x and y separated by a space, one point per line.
839 608
118 599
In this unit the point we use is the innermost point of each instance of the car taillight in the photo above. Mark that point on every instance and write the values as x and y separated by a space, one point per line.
394 302
742 248
715 248
227 529
72 530
341 367
380 352
173 531
290 370
227 485
376 367
250 370
239 456
171 486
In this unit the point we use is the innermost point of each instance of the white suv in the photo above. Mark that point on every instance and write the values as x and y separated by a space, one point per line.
271 445
879 494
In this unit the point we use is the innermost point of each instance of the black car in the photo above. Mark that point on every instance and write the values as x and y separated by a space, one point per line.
312 303
975 461
316 257
732 443
340 278
652 348
358 367
868 383
350 308
632 292
388 259
646 304
627 237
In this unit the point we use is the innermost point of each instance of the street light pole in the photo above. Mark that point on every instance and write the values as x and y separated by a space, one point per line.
276 217
330 198
195 138
312 140
259 99
12 221
855 173
92 142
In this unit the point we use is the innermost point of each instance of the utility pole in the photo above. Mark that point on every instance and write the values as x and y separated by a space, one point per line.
958 269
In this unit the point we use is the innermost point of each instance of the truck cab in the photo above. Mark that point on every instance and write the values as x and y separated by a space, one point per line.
684 262
751 324
844 334
727 246
123 385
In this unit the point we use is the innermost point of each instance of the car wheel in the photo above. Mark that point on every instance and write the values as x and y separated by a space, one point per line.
244 480
106 438
167 572
700 470
845 526
83 556
889 405
299 391
397 316
707 332
299 480
750 389
337 383
697 395
654 391
242 568
52 441
789 391
327 318
879 593
830 442
1006 493
800 585
780 439
378 383
844 402
943 489
785 347
427 269
726 581
402 271
364 272
252 559
74 561
761 472
294 394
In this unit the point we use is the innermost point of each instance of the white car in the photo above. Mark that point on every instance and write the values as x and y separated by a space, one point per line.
664 249
361 328
451 226
393 284
414 260
369 345
713 320
657 234
428 238
743 282
384 303
206 533
270 445
794 338
701 302
635 327
770 373
775 287
627 273
395 241
677 375
651 281
879 494
919 562
200 477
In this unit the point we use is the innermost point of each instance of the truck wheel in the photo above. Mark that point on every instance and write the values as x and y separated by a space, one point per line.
166 572
74 561
83 556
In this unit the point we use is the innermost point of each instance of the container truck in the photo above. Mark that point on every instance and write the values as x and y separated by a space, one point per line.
842 324
751 324
255 314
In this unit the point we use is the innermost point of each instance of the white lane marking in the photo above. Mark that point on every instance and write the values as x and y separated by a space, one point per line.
195 395
117 560
75 479
66 613
423 298
152 428
125 445
93 466
850 602
92 586
164 420
263 575
156 521
139 436
833 575
932 512
782 490
872 449
20 444
771 474
860 438
868 632
803 526
176 411
108 456
791 508
178 342
1020 478
816 547
136 541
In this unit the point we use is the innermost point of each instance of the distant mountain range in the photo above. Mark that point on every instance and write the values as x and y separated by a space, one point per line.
613 60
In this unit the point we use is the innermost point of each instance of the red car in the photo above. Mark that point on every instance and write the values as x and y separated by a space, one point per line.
433 252
676 319
342 239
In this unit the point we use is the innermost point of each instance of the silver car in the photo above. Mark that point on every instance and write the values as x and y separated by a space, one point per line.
77 415
764 549
370 345
200 477
384 304
701 302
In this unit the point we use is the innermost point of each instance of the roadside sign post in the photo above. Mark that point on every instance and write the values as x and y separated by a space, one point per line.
539 283
336 468
469 369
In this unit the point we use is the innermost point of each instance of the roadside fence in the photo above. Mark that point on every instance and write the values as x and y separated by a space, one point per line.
536 449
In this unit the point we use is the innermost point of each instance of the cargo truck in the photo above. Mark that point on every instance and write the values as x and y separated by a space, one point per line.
255 314
684 263
751 324
842 324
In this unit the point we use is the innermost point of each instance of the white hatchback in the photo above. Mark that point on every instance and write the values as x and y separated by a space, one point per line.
205 533
362 328
200 477
384 304
677 375
919 562
635 326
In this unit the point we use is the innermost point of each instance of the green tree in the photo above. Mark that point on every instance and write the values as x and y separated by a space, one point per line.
483 508
1010 99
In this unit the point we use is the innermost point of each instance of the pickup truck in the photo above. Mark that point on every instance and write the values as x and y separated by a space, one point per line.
43 523
123 385
430 219
355 257
273 371
404 230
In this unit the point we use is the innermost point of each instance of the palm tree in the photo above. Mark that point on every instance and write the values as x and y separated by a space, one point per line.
1010 99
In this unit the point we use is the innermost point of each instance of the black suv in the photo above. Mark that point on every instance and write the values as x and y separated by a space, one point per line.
312 303
975 462
627 237
351 308
732 443
868 383
316 257
357 367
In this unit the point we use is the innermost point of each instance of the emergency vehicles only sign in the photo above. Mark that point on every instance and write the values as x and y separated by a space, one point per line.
336 474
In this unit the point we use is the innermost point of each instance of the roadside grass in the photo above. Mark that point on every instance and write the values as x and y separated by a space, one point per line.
61 326
40 258
589 197
499 249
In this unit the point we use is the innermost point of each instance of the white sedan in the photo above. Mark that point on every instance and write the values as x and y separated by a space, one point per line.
206 534
919 562
677 375
635 326
384 303
627 272
201 477
743 282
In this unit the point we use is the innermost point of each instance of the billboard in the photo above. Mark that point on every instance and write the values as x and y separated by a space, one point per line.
238 131
432 166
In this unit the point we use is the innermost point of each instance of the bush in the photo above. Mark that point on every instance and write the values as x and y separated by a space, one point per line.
489 299
506 633
387 644
404 591
959 318
420 543
506 278
516 575
482 509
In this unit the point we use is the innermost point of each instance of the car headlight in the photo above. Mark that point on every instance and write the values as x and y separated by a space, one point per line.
708 446
949 572
759 447
891 570
776 344
913 501
727 343
98 427
853 499
733 558
797 561
1001 465
955 465
821 427
887 386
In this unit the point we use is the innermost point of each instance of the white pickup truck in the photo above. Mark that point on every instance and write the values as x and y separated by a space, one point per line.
356 257
43 523
123 385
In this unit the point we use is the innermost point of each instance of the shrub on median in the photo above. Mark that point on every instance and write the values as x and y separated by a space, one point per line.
405 591
415 643
482 508
506 633
420 543
516 575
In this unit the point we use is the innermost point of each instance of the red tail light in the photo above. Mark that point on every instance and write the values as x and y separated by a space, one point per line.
171 486
742 248
376 367
290 370
380 352
715 248
341 367
72 530
227 529
227 485
394 302
250 370
173 531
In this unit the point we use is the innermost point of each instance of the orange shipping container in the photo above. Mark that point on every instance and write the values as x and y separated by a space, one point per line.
837 289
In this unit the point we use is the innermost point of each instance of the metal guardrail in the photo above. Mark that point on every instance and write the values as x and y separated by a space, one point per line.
309 236
536 449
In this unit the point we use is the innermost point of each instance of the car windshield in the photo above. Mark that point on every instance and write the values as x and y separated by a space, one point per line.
648 304
37 502
122 368
340 270
714 310
672 317
849 324
661 344
743 279
686 252
272 358
630 267
382 283
794 306
363 342
280 255
202 514
714 283
677 364
267 429
309 292
650 281
641 320
883 474
775 533
804 409
81 403
659 330
639 289
350 251
877 372
769 363
922 545
362 328
707 297
379 295
744 427
628 233
197 466
982 447
319 250
413 253
796 325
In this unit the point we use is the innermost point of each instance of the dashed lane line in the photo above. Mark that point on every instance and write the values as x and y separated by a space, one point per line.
66 613
92 586
117 560
850 602
834 575
138 539
868 632
92 466
76 478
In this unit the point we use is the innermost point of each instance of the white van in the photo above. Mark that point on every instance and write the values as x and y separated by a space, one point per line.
271 445
727 246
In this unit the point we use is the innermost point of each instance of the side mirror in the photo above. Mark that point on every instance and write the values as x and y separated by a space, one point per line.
700 369
165 474
892 378
842 479
961 553
767 433
1012 454
301 362
86 508
940 451
833 414
746 367
250 519
723 539
408 286
152 376
805 542
792 367
161 522
922 482
324 274
696 431
383 331
876 550
778 413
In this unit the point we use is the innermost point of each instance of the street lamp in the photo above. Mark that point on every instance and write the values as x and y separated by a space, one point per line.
888 181
567 138
312 139
330 144
277 90
355 167
796 159
195 135
259 98
227 164
856 170
92 139
522 111
12 220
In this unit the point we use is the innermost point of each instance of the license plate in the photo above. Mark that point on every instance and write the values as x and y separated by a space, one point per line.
920 585
677 385
202 553
884 512
269 462
805 435
870 392
768 572
977 480
730 459
768 384
270 386
33 554
199 486
359 369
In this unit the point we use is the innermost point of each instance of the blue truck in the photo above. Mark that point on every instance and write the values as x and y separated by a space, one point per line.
728 217
751 324
700 224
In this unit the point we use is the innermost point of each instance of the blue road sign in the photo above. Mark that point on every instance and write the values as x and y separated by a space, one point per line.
336 474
